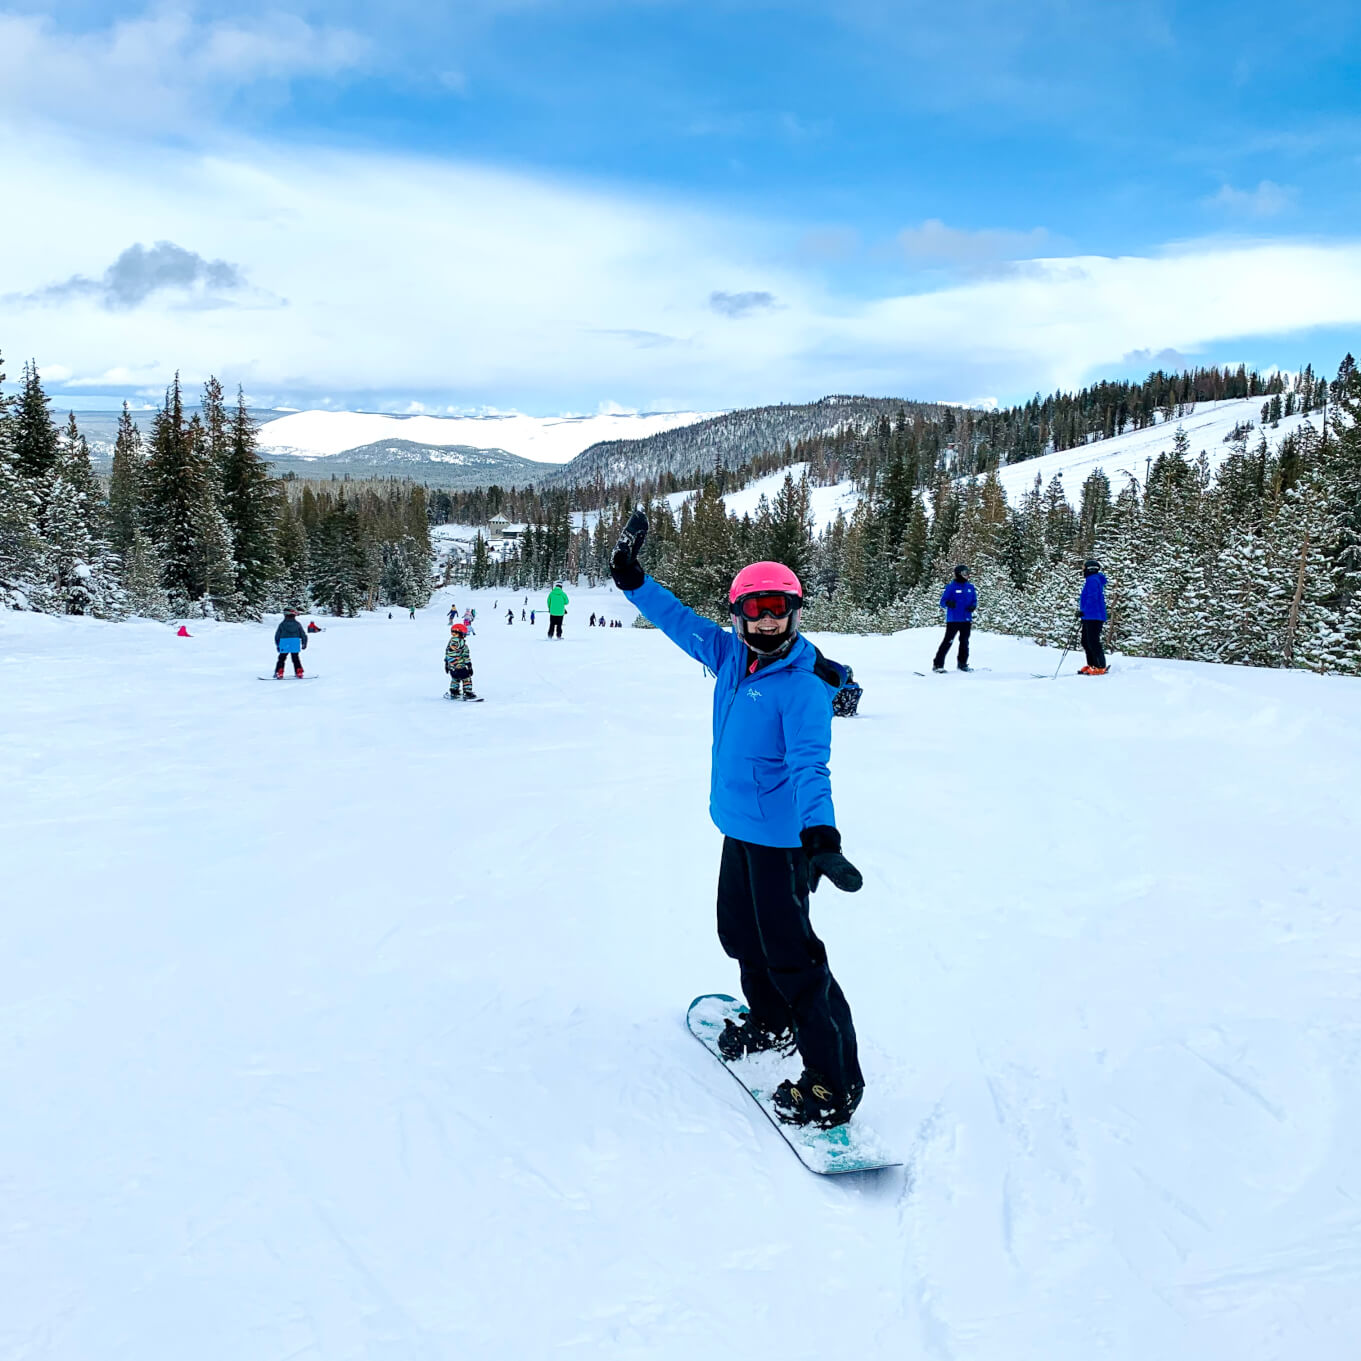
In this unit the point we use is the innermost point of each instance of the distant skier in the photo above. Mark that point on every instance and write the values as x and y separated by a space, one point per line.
557 607
312 626
524 615
468 620
290 639
510 616
959 600
1092 611
591 625
771 797
458 662
531 617
412 608
453 613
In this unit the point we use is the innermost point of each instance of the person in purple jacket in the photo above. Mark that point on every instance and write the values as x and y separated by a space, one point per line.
770 795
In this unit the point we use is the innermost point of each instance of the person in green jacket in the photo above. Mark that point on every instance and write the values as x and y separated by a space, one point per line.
557 607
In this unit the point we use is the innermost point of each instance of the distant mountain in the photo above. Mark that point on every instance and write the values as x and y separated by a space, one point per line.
550 440
730 439
456 467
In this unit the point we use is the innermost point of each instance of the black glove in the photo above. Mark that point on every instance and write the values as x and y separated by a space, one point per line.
822 846
304 644
628 576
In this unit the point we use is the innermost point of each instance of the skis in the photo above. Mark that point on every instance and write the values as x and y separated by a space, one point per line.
828 1152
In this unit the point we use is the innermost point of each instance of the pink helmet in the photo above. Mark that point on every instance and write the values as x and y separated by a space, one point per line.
761 577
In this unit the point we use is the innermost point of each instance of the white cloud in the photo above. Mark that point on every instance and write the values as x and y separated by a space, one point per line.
935 243
160 71
1267 200
460 285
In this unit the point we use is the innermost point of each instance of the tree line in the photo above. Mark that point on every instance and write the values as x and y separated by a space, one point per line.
190 521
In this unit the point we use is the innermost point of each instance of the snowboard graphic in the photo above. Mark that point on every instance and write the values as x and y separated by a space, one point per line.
847 1148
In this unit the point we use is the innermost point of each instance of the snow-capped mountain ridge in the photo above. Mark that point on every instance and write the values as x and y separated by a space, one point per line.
540 439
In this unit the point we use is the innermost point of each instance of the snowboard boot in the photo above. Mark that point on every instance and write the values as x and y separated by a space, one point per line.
812 1100
963 668
297 675
939 670
753 1036
468 692
279 674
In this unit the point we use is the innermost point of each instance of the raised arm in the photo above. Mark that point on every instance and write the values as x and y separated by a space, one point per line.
700 637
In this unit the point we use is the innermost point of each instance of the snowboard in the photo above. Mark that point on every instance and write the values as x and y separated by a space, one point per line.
949 669
476 699
290 677
829 1152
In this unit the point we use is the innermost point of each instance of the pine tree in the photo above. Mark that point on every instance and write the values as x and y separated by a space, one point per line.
125 483
250 503
142 579
21 574
291 585
34 444
186 521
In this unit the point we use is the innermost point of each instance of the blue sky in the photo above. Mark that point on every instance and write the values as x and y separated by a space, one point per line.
562 200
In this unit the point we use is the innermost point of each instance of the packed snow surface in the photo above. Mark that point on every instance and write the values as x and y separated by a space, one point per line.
340 1021
545 439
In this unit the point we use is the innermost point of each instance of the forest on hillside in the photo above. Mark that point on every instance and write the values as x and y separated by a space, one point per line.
1256 561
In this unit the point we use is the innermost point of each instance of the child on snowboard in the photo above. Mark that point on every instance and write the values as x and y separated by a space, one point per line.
289 638
458 662
771 797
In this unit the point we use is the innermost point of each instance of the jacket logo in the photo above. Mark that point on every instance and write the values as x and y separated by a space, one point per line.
753 693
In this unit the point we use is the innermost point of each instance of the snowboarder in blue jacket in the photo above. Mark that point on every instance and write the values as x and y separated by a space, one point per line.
289 638
770 794
1091 610
959 600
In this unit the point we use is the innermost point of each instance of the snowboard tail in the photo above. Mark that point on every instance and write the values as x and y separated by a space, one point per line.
851 1147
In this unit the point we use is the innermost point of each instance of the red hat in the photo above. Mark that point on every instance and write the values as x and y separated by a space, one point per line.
460 628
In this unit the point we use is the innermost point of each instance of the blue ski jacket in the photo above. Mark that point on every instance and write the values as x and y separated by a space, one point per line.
959 600
290 636
772 730
1093 600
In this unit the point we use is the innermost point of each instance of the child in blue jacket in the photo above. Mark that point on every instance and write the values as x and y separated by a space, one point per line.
959 600
290 638
770 795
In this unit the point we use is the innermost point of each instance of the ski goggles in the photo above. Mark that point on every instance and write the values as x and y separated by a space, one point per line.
776 604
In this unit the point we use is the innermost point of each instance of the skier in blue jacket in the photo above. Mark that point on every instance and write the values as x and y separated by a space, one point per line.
1092 611
959 600
770 794
290 638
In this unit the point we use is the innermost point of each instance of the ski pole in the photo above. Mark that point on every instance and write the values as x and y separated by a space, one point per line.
1072 643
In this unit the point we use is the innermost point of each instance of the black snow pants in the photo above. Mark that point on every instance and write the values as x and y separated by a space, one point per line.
297 662
1091 642
763 924
555 625
963 630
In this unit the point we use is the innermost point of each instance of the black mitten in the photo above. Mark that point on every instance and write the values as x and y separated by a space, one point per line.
822 846
628 576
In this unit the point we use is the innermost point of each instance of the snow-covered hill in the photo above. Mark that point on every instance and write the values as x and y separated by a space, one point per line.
543 439
1131 453
341 1022
824 502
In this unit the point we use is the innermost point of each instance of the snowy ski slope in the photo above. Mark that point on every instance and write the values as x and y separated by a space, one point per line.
339 1021
1129 454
